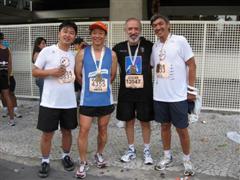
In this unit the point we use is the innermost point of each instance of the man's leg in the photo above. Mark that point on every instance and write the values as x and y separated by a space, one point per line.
102 133
45 145
129 129
146 133
6 96
184 139
166 135
85 125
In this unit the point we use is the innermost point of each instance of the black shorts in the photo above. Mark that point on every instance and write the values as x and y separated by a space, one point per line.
143 111
4 80
96 111
172 112
12 85
49 119
77 86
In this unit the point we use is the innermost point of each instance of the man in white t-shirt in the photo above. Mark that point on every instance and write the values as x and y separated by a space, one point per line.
175 73
58 104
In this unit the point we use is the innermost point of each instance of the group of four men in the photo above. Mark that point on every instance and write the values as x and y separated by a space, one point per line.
95 68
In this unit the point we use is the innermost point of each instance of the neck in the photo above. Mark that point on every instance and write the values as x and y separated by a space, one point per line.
63 47
164 38
97 47
133 43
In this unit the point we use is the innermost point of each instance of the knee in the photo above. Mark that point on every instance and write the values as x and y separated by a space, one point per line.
46 137
66 132
166 127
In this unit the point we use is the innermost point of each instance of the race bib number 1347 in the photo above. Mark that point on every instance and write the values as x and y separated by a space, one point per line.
134 81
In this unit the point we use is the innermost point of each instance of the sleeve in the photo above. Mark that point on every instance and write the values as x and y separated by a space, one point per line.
41 59
152 57
186 50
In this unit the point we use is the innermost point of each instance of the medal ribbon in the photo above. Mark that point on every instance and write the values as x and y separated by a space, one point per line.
164 44
99 67
135 54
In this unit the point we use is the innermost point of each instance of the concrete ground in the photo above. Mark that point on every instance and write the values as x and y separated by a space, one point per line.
213 154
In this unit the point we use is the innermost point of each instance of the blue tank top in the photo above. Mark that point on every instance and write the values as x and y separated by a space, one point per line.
96 99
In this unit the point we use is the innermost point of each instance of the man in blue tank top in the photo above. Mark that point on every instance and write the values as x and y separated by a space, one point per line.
95 69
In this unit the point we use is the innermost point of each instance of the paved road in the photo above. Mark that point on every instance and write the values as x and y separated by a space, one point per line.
214 155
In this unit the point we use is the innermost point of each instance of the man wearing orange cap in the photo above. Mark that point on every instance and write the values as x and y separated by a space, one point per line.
95 69
135 99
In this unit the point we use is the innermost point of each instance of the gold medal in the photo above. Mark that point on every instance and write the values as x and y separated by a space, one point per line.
133 69
98 77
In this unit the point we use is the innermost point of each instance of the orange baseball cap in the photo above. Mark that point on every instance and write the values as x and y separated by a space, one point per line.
98 25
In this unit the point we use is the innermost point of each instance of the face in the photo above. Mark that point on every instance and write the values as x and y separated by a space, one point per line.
42 44
78 46
133 31
98 36
160 28
67 35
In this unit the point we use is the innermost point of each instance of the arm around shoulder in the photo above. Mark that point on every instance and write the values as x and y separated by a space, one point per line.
79 65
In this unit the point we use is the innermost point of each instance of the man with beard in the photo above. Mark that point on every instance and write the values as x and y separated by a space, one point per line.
135 92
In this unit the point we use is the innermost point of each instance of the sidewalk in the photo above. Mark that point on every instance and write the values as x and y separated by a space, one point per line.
213 154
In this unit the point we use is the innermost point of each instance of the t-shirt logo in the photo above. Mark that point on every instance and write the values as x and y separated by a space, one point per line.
137 64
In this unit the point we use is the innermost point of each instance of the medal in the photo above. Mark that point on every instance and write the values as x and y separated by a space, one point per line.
133 69
98 77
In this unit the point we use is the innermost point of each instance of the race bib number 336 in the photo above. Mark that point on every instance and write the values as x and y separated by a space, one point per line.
134 81
98 86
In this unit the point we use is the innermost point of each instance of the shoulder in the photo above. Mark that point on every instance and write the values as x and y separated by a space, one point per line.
146 42
179 38
119 45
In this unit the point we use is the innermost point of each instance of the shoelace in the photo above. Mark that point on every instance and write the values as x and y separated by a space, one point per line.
147 153
100 158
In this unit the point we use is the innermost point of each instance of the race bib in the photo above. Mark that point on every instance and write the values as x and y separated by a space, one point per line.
96 85
68 77
134 81
162 70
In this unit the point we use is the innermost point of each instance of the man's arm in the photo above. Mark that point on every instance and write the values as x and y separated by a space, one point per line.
191 76
9 63
79 65
114 66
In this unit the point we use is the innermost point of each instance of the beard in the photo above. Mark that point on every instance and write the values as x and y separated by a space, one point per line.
133 38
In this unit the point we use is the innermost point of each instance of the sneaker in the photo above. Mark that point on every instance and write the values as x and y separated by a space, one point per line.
188 168
44 171
99 160
17 114
67 163
147 157
4 113
165 162
129 155
11 122
81 172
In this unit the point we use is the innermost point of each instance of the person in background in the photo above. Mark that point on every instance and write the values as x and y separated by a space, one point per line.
55 64
39 44
12 86
78 44
135 99
96 67
175 75
5 71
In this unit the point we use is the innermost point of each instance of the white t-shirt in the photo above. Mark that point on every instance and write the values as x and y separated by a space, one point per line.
56 94
177 51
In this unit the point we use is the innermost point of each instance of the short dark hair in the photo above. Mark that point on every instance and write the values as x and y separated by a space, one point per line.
159 16
78 40
1 36
68 23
